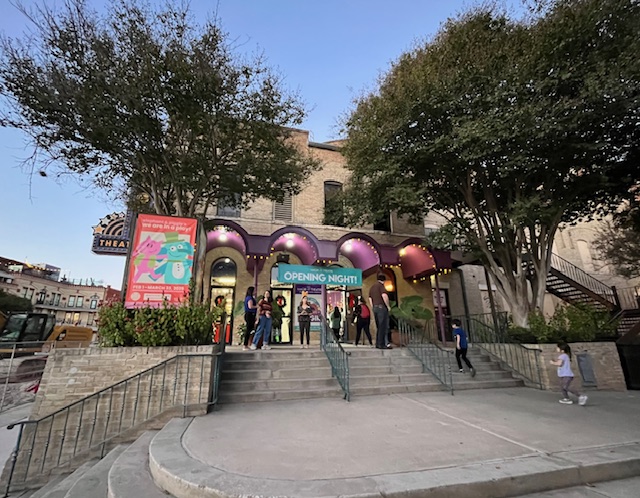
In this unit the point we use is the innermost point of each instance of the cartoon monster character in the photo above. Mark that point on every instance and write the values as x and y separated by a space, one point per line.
179 260
145 259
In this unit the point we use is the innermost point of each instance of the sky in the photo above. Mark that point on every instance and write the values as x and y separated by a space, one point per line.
329 51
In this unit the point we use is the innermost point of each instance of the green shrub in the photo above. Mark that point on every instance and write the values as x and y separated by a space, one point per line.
187 324
569 323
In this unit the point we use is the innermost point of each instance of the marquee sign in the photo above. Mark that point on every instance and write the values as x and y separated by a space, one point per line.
112 235
303 274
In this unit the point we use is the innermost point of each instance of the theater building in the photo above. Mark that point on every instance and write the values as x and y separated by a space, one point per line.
245 247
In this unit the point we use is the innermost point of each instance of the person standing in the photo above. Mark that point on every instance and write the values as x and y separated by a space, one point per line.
379 302
304 319
363 320
336 319
263 331
461 346
565 374
249 316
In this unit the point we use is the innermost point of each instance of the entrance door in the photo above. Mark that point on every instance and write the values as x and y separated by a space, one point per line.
223 297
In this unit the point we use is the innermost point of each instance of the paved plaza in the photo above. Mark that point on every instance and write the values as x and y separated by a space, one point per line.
416 440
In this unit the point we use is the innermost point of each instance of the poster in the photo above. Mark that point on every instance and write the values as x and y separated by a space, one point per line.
314 296
161 261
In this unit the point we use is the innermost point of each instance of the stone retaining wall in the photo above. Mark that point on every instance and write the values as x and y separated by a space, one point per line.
604 360
179 386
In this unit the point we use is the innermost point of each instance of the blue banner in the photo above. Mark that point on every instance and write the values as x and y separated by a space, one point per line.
319 275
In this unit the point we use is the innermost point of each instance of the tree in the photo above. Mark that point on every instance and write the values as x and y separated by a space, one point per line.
508 129
9 302
146 99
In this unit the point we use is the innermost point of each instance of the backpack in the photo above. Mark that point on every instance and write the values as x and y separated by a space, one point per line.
364 311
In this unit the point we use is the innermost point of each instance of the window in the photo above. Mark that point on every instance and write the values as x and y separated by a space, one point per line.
53 299
93 304
333 205
283 211
76 318
226 210
41 296
384 223
72 301
79 302
90 318
57 301
67 317
28 293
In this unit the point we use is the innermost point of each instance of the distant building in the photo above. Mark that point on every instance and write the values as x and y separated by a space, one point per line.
70 302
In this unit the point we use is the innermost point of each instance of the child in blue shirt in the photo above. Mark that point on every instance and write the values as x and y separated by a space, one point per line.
565 374
460 336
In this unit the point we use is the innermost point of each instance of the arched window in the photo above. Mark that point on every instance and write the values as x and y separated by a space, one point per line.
223 289
333 205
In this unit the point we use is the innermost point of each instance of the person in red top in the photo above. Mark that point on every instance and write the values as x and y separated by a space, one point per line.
379 301
363 320
263 330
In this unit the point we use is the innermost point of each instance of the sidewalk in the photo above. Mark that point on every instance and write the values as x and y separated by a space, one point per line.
421 438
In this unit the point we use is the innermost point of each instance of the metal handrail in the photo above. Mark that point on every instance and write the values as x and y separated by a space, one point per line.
422 344
581 277
74 435
338 358
489 333
629 297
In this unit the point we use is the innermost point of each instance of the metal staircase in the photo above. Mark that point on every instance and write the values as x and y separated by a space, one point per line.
573 285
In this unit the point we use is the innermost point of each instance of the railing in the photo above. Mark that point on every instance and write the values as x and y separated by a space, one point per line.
629 298
91 424
489 333
338 358
21 367
421 343
581 277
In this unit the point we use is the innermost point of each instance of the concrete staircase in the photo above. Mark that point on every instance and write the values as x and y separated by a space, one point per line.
285 374
489 373
277 374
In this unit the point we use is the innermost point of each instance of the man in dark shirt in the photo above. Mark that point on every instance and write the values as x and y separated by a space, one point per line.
379 303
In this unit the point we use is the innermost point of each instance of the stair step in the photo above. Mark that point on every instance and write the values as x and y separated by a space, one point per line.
62 487
490 375
379 380
49 486
285 394
276 364
94 482
274 354
285 373
385 369
431 386
477 383
130 477
275 385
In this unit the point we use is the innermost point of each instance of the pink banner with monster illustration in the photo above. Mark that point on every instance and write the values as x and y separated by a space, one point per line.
161 261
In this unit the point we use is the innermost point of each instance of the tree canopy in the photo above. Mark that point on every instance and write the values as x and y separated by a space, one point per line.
153 101
10 302
508 128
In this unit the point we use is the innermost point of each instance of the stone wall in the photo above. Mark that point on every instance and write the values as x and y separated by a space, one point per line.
604 359
71 374
180 386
